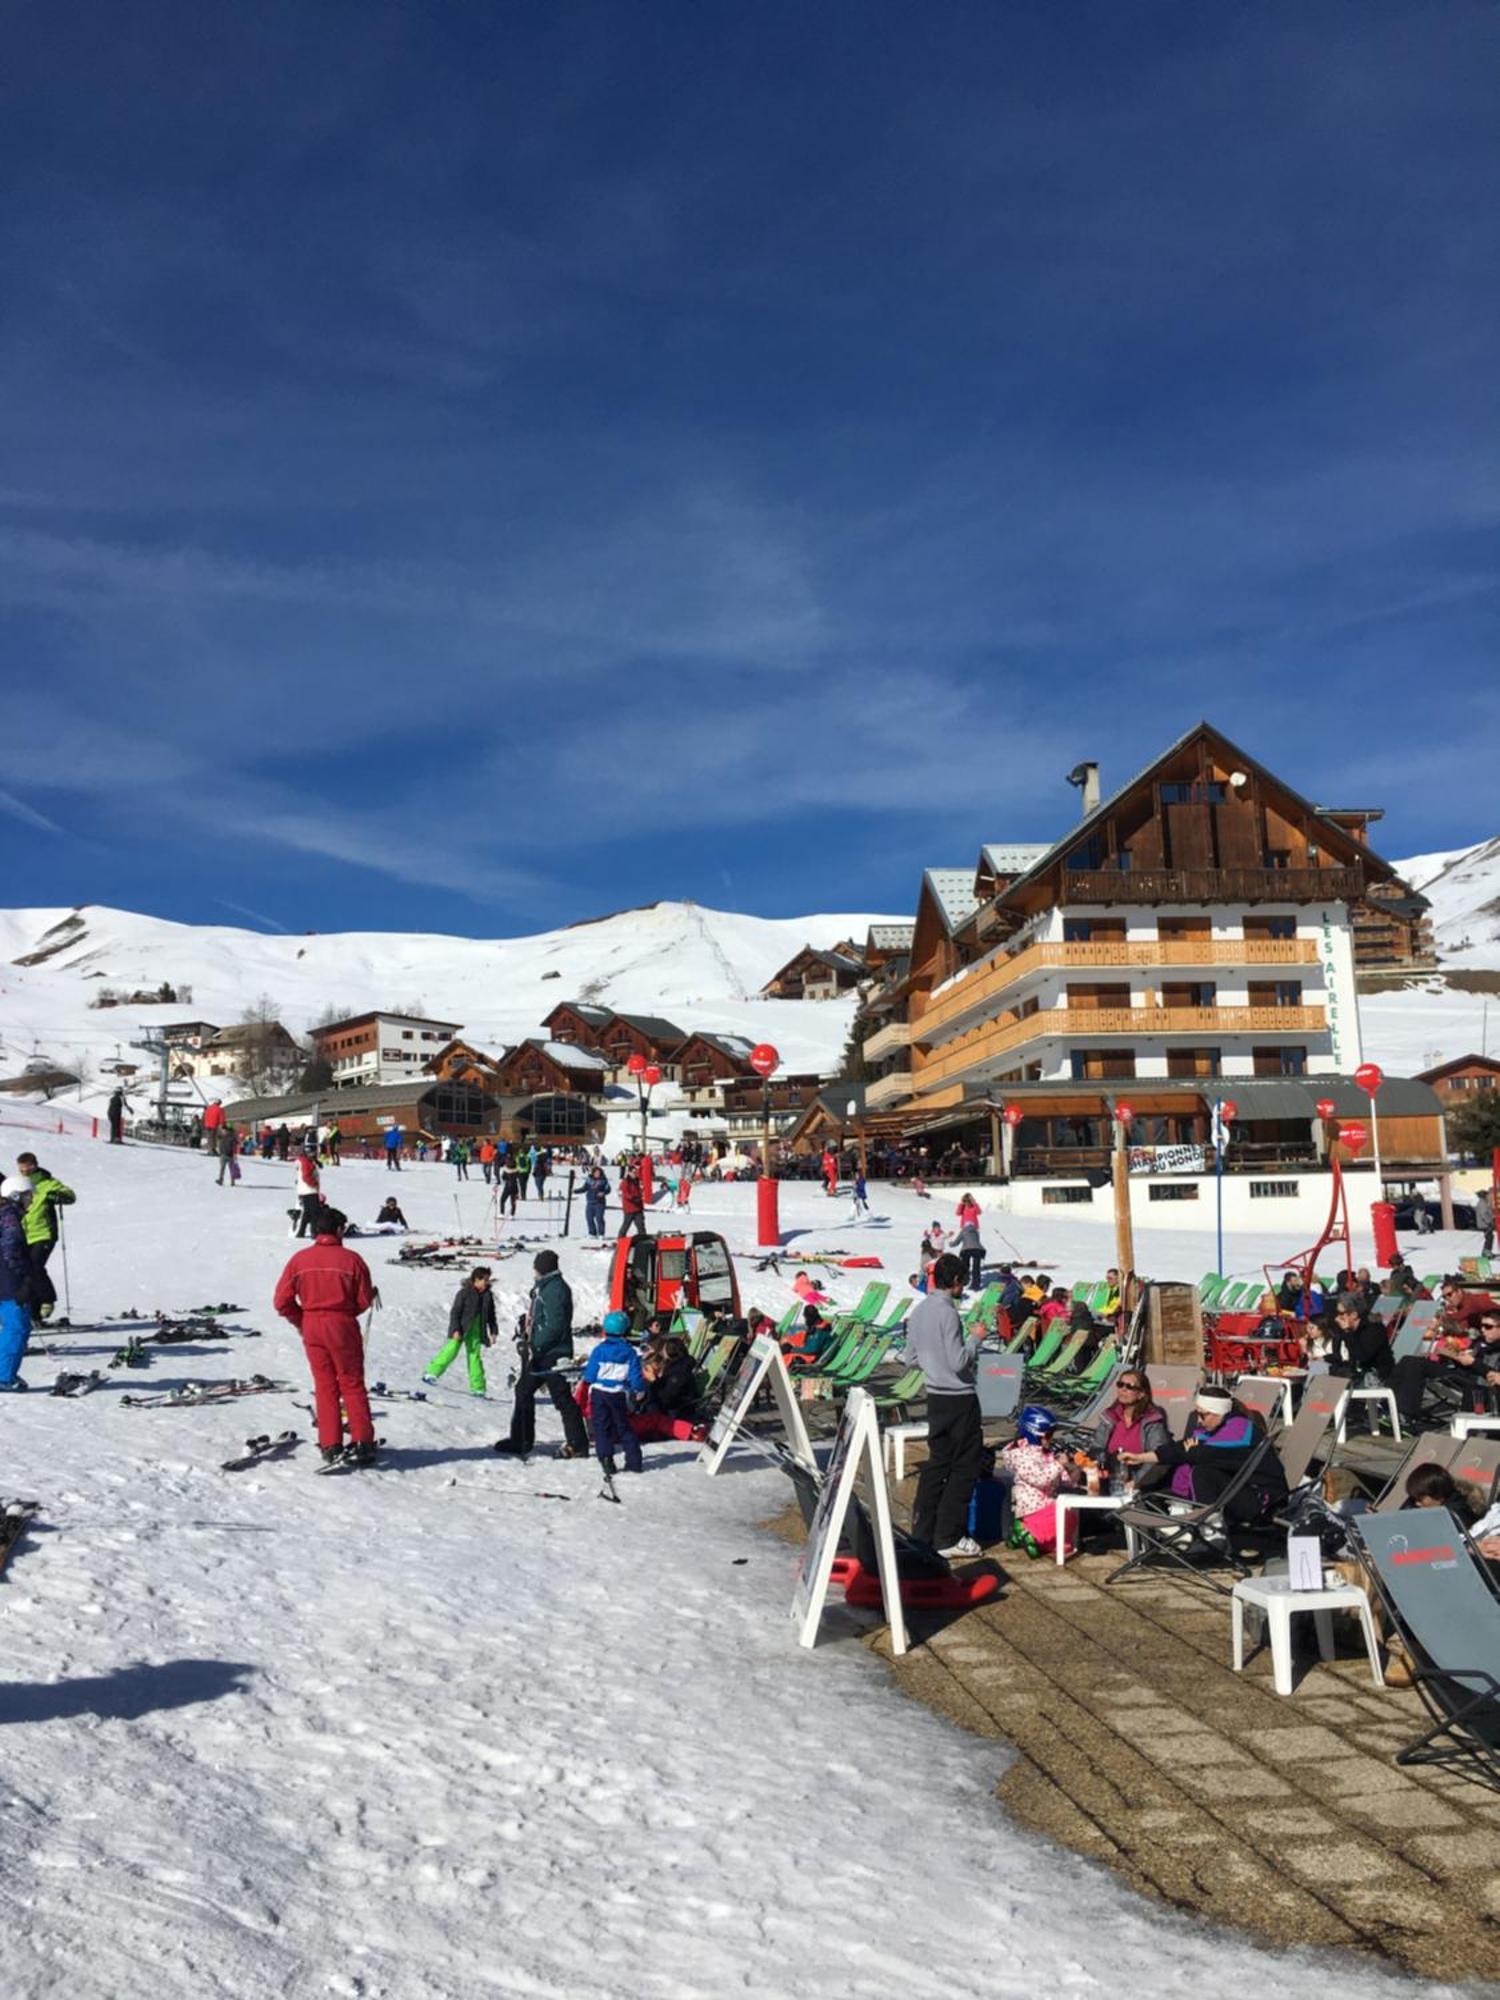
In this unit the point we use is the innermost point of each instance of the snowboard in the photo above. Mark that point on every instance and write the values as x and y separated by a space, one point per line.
16 1517
261 1450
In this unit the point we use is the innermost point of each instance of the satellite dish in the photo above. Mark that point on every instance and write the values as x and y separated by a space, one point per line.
1239 779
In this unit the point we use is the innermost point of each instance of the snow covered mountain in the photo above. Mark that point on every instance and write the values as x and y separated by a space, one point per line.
698 967
1463 887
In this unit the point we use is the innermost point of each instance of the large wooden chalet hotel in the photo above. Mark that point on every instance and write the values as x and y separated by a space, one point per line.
1196 935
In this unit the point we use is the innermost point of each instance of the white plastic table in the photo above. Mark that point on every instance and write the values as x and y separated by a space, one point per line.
1465 1425
1341 1413
1275 1598
896 1438
1078 1501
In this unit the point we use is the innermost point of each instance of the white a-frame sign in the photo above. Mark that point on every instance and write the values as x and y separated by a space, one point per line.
856 1452
764 1363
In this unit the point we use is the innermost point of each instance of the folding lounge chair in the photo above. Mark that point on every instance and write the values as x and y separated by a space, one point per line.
1049 1343
1299 1444
1158 1524
1173 1390
999 1382
1061 1361
1442 1603
895 1319
1082 1421
872 1299
1105 1363
1474 1461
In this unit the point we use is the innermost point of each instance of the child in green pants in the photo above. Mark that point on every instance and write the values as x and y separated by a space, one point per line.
471 1326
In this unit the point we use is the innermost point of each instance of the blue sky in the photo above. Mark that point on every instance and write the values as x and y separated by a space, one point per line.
473 466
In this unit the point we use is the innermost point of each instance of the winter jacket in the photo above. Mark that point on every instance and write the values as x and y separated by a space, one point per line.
15 1264
213 1118
392 1139
1365 1351
307 1174
324 1283
967 1212
47 1195
1037 1476
551 1322
1207 1461
672 1393
967 1239
935 1343
596 1189
1114 1433
614 1369
632 1202
471 1311
1010 1295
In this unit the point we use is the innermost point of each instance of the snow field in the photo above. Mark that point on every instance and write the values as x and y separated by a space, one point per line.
418 1735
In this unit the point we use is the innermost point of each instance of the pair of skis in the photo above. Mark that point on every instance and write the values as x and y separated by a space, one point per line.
193 1394
262 1450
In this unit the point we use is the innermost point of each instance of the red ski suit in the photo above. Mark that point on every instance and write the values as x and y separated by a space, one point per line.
323 1291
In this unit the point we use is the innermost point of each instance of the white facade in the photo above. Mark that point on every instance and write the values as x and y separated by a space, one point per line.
396 1049
1293 1200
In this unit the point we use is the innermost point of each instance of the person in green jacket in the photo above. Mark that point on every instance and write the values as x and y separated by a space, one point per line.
41 1227
546 1342
471 1326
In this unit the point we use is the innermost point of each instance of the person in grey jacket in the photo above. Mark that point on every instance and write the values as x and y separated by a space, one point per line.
936 1343
970 1253
1484 1219
1133 1422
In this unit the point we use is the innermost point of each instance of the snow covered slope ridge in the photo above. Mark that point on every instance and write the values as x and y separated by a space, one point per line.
1464 890
699 968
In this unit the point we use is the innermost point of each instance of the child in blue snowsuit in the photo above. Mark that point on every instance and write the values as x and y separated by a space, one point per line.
613 1373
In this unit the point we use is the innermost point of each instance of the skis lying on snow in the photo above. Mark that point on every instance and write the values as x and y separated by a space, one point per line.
204 1392
260 1450
396 1395
76 1385
131 1355
16 1517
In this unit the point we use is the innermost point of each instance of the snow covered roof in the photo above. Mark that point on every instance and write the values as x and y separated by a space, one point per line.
1015 856
953 892
892 937
652 1025
569 1054
595 1016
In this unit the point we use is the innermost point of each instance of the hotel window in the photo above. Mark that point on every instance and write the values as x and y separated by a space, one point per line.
1271 929
1193 1062
1278 1062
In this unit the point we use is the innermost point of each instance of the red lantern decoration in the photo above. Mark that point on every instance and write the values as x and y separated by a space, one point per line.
1126 1114
1325 1108
1353 1137
764 1059
1228 1110
1369 1077
636 1064
652 1075
1013 1115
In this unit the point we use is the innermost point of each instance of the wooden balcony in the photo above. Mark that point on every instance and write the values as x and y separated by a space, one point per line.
887 1040
1089 1024
888 1089
1214 885
985 986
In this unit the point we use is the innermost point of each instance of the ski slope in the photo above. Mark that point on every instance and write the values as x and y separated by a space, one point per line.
697 967
418 1734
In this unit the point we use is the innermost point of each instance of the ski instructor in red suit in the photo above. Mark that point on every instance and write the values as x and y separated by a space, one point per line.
323 1291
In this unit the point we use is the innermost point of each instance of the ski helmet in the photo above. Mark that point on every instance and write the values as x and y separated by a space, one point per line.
16 1188
1035 1424
616 1324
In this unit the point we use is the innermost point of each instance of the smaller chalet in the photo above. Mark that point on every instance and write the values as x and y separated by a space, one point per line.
539 1068
617 1037
817 975
745 1104
573 1021
461 1062
1457 1081
704 1063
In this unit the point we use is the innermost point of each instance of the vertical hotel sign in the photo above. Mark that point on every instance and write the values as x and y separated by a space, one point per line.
1340 1017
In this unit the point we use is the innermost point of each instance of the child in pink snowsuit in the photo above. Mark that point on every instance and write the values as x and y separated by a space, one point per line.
1038 1475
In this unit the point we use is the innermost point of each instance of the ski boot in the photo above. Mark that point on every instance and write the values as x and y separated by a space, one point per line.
361 1455
1022 1538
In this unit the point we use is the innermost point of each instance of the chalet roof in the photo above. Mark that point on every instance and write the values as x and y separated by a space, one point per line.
1015 857
1440 1070
734 1046
953 892
568 1055
595 1016
840 961
1255 1098
335 1103
244 1033
384 1014
653 1026
1232 750
890 937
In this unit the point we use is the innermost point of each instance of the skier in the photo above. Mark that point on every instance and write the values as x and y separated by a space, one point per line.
334 1138
861 1195
213 1121
115 1113
968 1247
471 1326
283 1143
309 1200
632 1204
41 1226
323 1291
541 1166
595 1194
510 1187
545 1339
830 1168
392 1143
225 1149
15 1280
458 1158
487 1160
613 1373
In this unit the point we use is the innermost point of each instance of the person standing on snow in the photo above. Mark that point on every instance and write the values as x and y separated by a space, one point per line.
15 1280
213 1124
323 1291
510 1188
632 1204
41 1227
547 1339
595 1194
225 1148
471 1326
392 1144
115 1113
861 1196
541 1166
309 1197
613 1373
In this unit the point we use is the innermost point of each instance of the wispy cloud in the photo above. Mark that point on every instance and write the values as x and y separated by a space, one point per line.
28 815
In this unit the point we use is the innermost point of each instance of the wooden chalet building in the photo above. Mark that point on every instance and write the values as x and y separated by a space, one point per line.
1457 1081
538 1067
744 1102
817 975
617 1037
705 1063
574 1021
1196 926
461 1062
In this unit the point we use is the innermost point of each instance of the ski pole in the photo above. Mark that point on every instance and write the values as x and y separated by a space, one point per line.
62 1245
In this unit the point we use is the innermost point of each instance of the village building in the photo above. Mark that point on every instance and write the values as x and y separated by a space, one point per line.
704 1063
380 1048
186 1034
461 1062
577 1022
538 1066
247 1048
1457 1082
817 975
745 1101
617 1037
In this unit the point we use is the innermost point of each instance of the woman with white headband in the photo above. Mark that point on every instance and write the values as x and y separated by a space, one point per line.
1213 1454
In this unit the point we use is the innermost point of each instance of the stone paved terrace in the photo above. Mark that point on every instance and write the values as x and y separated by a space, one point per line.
1139 1747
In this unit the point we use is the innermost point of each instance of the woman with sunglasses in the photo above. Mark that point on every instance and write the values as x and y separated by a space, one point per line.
1133 1422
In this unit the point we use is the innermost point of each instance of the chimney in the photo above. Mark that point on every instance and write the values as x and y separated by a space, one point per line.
1086 778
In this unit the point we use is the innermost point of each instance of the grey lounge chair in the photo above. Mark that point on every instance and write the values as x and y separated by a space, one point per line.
999 1382
1158 1524
1441 1601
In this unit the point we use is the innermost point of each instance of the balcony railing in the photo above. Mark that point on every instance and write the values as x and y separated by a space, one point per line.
888 1089
887 1040
983 986
983 1043
1213 885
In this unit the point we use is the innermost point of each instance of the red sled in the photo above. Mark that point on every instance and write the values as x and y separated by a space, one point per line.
918 1593
860 1264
